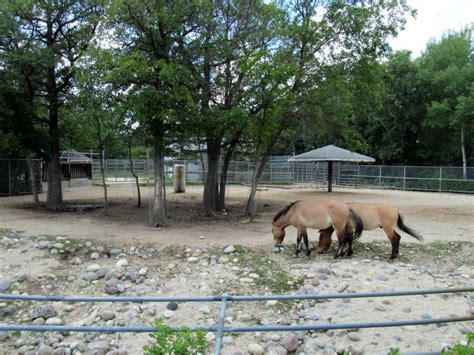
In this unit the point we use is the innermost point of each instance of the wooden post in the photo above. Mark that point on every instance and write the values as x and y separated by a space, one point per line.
329 176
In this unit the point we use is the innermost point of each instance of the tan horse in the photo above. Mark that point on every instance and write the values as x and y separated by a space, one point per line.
374 216
318 215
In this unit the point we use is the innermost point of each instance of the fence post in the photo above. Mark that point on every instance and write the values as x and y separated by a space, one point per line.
404 177
9 178
358 175
380 175
440 177
271 172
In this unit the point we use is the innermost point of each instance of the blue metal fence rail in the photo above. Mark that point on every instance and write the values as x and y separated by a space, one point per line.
220 328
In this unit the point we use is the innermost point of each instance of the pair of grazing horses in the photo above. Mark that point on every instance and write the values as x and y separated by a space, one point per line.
347 220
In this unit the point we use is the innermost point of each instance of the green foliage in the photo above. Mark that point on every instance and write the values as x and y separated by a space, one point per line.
460 349
175 342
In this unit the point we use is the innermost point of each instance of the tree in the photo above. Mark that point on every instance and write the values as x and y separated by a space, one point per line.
321 34
448 68
52 36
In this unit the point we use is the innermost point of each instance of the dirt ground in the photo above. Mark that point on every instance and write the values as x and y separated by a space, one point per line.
437 216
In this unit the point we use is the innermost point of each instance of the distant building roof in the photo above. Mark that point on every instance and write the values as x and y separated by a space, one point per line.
332 153
74 155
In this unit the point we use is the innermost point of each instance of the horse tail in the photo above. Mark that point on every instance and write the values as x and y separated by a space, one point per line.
407 230
283 211
359 226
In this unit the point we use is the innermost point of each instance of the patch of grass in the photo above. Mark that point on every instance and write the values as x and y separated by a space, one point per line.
460 349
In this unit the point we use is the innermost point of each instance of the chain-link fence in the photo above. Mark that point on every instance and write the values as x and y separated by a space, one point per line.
279 171
15 176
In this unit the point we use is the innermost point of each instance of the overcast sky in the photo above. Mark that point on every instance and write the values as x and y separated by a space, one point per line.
434 17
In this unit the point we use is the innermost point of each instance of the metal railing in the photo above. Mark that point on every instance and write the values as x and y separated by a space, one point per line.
15 176
280 171
220 328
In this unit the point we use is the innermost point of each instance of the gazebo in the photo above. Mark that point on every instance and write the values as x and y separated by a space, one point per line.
330 154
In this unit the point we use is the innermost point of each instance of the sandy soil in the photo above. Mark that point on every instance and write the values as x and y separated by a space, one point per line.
437 216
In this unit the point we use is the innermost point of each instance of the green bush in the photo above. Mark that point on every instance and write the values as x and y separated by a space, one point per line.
460 349
175 342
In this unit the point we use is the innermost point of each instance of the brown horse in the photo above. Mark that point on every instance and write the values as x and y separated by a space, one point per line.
374 216
318 215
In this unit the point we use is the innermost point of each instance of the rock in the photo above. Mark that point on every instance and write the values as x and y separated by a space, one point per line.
342 287
102 272
93 267
121 263
44 311
205 310
426 316
290 342
10 309
5 285
227 340
90 276
354 336
54 321
255 348
271 303
254 276
168 314
277 350
246 280
45 350
115 251
39 321
315 282
230 249
20 277
193 260
172 306
107 315
3 336
95 256
143 271
406 309
97 347
381 277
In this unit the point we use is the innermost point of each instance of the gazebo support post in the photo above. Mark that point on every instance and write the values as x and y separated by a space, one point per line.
329 176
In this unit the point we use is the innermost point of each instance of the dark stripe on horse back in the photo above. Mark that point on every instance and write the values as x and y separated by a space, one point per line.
283 211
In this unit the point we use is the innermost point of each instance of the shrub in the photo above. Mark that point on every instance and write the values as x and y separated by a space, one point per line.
175 342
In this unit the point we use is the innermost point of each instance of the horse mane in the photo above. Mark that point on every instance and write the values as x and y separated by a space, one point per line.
283 211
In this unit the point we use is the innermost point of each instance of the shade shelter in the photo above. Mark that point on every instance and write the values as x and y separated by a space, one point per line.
330 154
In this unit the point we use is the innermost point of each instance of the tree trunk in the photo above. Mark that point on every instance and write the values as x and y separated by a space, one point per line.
158 216
54 199
225 167
251 208
102 173
463 152
211 184
31 173
132 170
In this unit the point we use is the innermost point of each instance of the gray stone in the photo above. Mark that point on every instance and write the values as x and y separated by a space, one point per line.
255 348
381 277
172 306
342 287
90 276
54 321
168 314
227 340
101 272
97 347
45 350
3 336
115 251
230 249
107 315
426 316
276 350
290 342
10 309
330 347
354 336
44 311
5 285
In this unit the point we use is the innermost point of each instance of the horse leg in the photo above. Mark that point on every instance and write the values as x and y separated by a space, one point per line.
342 239
394 238
298 243
350 238
306 242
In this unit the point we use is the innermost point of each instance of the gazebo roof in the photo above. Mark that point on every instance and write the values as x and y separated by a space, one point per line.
332 153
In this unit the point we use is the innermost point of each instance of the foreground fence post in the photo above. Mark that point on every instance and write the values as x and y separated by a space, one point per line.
440 178
220 326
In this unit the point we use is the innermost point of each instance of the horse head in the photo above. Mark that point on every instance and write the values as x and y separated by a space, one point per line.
278 236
